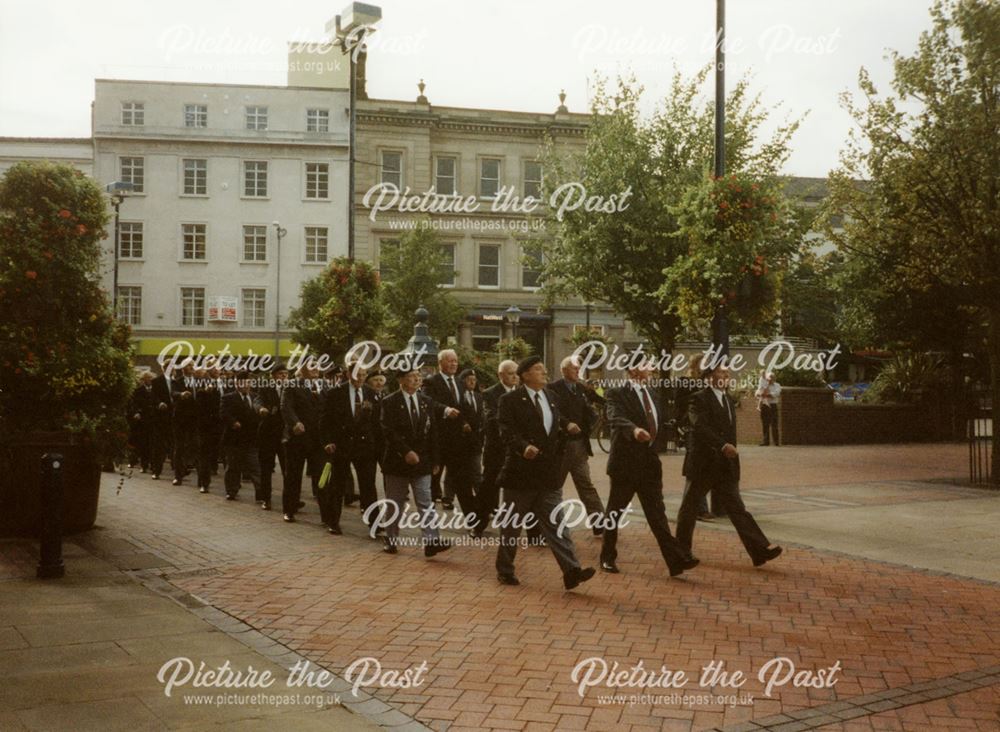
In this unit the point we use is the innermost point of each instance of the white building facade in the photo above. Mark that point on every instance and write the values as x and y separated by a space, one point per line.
213 168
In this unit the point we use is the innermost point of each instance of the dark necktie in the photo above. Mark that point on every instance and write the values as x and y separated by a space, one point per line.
647 405
414 413
538 406
454 389
357 403
246 398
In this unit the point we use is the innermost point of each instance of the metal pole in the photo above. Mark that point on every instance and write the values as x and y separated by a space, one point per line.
351 150
114 285
277 296
50 539
720 322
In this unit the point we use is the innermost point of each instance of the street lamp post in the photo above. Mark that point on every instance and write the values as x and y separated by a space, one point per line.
279 233
118 190
720 321
513 316
351 28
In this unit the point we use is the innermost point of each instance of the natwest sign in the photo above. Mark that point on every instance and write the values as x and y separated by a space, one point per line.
222 309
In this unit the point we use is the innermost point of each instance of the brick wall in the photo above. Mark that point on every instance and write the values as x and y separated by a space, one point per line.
809 416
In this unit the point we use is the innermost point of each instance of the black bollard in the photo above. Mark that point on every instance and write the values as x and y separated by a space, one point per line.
50 540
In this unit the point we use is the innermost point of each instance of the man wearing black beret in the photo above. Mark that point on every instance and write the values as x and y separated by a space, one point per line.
531 427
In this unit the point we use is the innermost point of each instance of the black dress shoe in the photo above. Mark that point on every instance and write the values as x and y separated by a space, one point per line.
335 530
203 489
437 547
689 563
155 476
230 496
610 568
265 505
289 518
598 531
767 555
576 576
507 579
175 481
447 505
708 517
302 504
389 547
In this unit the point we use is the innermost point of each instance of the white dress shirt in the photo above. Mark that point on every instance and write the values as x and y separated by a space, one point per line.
546 409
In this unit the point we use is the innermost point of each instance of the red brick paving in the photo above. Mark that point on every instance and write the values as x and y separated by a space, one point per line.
501 657
973 710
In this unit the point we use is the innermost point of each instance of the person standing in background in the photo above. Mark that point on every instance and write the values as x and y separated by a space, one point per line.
768 393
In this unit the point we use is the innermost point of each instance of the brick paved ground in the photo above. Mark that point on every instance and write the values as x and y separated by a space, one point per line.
918 650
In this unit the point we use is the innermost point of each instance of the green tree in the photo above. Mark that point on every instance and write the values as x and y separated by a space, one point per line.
928 219
415 271
339 307
664 161
65 361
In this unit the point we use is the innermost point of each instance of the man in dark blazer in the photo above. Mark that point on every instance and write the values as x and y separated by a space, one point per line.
447 392
571 397
208 401
301 406
636 416
239 437
161 440
141 414
270 446
712 463
350 434
531 429
493 447
409 422
183 391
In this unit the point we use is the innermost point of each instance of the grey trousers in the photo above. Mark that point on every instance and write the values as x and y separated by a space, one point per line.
539 504
575 462
397 490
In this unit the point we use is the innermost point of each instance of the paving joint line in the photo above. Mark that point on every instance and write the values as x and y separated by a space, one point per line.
866 705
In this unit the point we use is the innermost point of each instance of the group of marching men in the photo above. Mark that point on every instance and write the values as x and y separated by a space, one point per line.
442 438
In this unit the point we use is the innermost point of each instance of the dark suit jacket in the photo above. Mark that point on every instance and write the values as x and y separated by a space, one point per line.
272 426
520 426
401 437
354 434
475 417
451 429
233 409
491 415
185 409
625 413
300 403
208 404
575 407
143 403
711 428
162 395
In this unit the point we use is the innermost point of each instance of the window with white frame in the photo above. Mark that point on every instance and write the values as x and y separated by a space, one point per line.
133 113
194 237
489 265
445 174
133 170
254 307
391 167
256 117
448 264
254 243
532 179
317 180
317 120
255 178
195 177
489 177
130 240
195 115
192 306
130 304
531 266
316 244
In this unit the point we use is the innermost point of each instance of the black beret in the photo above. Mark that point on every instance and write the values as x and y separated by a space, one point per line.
278 367
527 363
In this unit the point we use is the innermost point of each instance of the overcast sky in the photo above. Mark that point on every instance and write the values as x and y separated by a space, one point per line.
515 54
